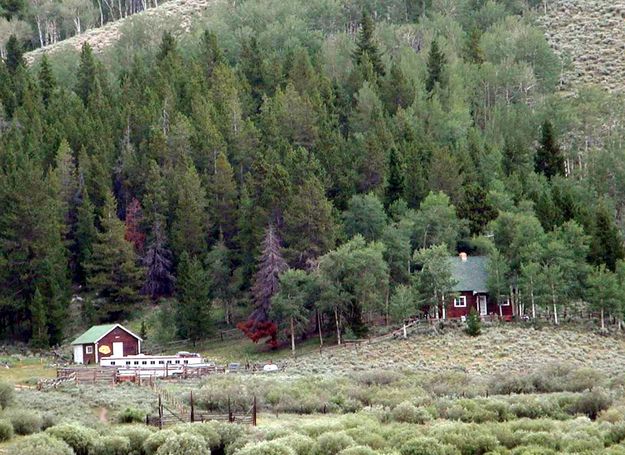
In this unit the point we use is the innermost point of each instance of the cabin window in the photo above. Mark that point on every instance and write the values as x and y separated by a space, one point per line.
152 362
160 362
89 349
177 361
127 362
136 362
169 361
186 361
505 302
460 302
112 363
144 362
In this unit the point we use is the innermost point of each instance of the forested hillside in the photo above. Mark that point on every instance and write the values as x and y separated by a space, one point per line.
305 161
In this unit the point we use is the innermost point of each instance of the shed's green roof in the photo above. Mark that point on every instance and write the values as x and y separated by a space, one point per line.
470 275
94 334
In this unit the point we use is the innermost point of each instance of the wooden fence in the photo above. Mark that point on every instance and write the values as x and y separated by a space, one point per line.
87 375
55 382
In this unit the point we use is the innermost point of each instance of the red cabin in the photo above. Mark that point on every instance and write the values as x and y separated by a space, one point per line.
471 290
104 341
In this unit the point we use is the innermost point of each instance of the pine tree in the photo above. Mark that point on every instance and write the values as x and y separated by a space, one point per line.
211 53
266 284
39 329
167 46
435 67
87 75
309 229
159 281
366 46
133 225
47 83
395 183
223 198
398 91
606 245
112 270
475 208
474 325
83 236
219 269
549 160
14 55
193 306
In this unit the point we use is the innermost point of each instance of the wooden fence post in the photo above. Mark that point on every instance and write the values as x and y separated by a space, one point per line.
254 412
230 419
160 412
192 408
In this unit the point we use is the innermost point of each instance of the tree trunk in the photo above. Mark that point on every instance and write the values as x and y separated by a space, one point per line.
319 327
292 336
338 327
533 303
405 333
602 320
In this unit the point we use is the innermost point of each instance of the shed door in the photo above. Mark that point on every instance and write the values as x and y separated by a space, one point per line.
78 354
118 349
481 300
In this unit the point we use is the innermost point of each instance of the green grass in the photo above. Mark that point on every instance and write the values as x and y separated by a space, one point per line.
25 371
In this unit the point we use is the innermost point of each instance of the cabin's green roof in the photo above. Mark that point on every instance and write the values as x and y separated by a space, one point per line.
94 334
470 275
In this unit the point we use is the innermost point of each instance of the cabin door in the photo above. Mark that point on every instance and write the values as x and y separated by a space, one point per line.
481 302
118 349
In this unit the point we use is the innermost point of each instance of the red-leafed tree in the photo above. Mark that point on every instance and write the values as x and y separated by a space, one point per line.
134 219
266 284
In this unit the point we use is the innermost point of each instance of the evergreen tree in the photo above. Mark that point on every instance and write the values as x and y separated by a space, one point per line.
211 53
47 83
167 46
266 284
365 216
83 236
87 74
476 209
193 302
219 269
474 325
39 328
14 55
112 270
133 225
366 47
395 183
606 246
435 67
223 198
159 280
309 229
549 159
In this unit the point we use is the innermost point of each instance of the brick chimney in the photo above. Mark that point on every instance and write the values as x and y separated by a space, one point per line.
463 257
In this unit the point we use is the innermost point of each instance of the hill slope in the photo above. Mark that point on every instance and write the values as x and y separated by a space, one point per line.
590 36
499 350
174 15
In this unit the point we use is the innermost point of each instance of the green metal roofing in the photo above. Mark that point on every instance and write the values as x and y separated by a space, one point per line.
94 334
470 275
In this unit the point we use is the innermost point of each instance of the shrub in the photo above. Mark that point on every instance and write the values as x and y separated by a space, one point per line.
136 435
591 403
131 415
299 443
24 422
422 446
40 444
332 443
533 450
366 436
111 445
6 430
357 450
7 394
408 413
205 431
377 377
474 325
227 432
156 439
183 444
541 439
48 420
266 448
79 438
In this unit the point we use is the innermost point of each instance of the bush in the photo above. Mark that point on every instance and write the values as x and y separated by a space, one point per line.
131 415
136 435
6 430
227 432
533 450
408 413
266 448
7 394
111 445
422 446
591 403
79 438
156 439
183 444
25 422
299 443
474 325
332 443
205 431
358 450
40 444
